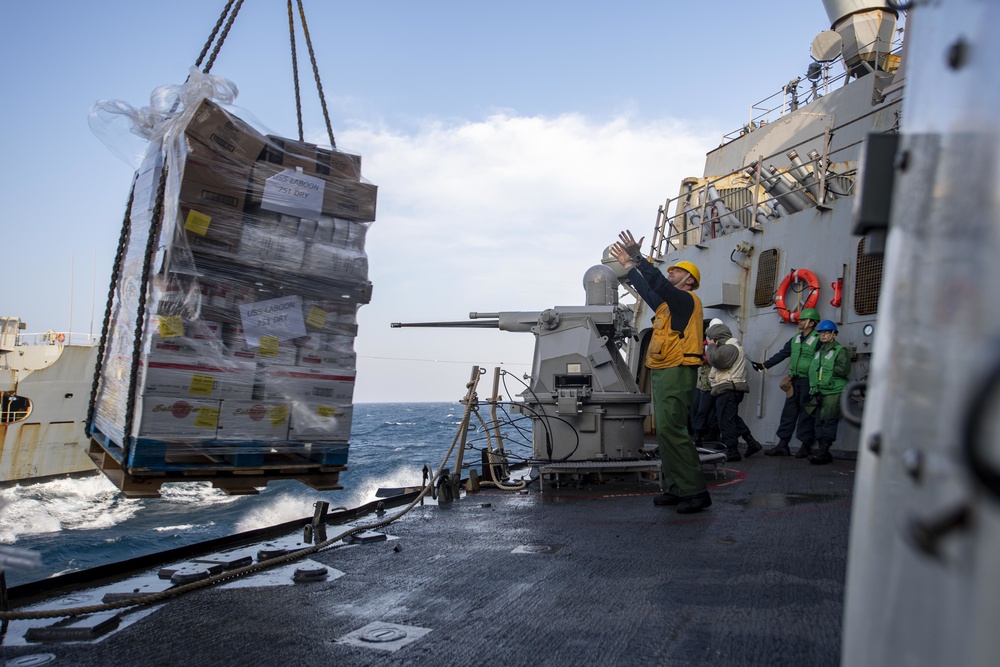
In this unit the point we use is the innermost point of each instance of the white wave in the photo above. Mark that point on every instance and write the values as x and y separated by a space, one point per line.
180 528
282 508
401 476
196 493
286 507
64 504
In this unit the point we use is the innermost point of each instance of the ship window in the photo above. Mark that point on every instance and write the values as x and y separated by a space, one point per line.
13 408
869 282
767 278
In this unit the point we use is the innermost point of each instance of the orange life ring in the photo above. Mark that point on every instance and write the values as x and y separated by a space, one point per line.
61 338
797 275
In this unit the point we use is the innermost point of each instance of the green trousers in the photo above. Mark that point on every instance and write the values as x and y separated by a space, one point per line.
673 389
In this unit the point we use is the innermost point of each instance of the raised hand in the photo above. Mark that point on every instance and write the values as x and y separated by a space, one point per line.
629 244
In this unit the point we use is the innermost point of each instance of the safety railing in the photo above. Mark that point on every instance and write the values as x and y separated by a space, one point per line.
788 99
57 338
748 198
743 199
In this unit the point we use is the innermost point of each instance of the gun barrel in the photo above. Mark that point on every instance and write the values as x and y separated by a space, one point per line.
478 324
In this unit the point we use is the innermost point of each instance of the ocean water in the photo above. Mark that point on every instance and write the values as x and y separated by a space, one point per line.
83 523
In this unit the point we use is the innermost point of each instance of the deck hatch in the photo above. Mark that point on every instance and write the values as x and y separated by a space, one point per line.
767 278
869 281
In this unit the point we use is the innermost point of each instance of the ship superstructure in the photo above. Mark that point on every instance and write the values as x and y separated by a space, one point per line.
770 222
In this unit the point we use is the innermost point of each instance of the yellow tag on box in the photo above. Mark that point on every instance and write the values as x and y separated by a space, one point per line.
317 317
197 222
207 418
268 346
171 326
326 411
278 415
202 384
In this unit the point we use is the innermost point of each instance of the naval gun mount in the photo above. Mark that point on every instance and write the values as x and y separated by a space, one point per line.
582 399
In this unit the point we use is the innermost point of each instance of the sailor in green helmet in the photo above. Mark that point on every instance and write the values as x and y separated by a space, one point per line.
827 379
799 349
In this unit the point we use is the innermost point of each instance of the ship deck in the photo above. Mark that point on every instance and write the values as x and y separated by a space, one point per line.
580 574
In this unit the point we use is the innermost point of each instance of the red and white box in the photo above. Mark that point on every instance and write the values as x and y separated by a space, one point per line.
331 361
294 383
178 418
254 420
198 378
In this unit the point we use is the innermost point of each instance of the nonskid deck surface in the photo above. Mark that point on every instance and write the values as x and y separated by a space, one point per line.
588 574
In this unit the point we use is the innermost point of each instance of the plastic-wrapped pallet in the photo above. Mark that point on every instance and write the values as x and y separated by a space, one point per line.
241 278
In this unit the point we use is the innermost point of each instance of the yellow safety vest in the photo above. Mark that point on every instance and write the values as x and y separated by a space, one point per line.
667 348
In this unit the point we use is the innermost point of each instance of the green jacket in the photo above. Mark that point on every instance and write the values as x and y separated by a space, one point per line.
800 351
829 368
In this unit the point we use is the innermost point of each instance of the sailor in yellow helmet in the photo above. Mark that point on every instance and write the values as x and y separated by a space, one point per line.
674 355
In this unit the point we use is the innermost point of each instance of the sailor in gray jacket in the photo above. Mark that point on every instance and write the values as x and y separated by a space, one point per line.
728 378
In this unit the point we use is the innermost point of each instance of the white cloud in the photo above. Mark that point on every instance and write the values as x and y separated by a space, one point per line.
506 213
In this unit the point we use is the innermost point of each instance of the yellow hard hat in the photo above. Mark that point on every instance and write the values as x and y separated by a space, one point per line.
690 268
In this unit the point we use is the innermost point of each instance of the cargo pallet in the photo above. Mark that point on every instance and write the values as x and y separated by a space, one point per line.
317 466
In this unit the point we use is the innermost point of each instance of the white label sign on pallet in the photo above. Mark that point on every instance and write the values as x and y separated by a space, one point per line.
294 193
274 318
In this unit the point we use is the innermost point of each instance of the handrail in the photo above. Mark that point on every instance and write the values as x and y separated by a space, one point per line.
764 115
50 338
668 223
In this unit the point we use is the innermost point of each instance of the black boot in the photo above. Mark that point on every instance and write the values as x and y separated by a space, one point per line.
695 503
752 445
805 449
733 454
781 449
822 455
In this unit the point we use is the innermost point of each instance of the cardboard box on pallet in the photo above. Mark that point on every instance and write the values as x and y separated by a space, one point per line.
198 378
224 133
264 249
316 420
178 418
311 194
296 384
261 421
212 230
203 391
327 259
311 158
283 354
212 181
327 360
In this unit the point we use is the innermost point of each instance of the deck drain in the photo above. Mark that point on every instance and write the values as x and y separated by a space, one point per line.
384 636
537 549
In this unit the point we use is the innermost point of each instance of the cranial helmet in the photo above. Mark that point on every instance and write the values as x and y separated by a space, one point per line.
810 314
690 268
827 325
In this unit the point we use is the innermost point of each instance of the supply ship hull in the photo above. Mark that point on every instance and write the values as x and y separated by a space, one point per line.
45 387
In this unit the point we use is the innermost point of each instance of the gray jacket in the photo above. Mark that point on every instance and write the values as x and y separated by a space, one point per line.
728 362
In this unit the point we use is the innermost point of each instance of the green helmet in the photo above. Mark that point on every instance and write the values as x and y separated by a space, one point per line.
810 314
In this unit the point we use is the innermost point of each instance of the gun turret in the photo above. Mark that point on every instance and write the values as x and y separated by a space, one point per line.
505 321
582 398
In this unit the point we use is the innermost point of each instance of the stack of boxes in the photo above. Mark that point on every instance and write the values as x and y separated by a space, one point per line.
253 296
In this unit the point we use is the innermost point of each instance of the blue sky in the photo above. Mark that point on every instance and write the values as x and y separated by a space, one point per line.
510 142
